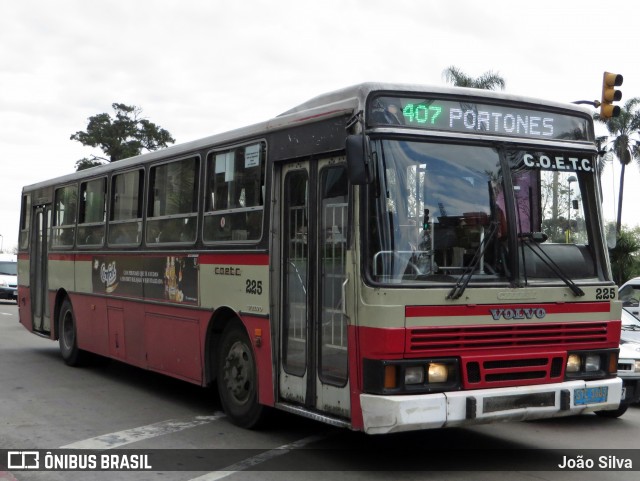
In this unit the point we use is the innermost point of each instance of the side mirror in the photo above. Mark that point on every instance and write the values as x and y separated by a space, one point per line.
358 160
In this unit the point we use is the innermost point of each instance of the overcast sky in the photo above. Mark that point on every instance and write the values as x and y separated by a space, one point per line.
199 67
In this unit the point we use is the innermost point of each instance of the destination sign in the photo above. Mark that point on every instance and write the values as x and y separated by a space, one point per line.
471 117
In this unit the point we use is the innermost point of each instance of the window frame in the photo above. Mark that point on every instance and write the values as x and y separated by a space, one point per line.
117 224
25 221
170 219
210 213
82 208
58 229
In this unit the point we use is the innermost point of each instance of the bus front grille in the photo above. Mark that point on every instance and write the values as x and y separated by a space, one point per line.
426 340
492 372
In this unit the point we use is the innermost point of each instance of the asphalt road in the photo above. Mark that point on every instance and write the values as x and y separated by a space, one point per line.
109 407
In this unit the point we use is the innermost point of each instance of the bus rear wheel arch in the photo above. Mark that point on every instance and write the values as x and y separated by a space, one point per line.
237 377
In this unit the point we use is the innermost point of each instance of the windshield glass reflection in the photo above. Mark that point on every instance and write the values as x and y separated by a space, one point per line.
436 206
438 212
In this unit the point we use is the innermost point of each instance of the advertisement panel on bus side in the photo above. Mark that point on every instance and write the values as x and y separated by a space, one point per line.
169 278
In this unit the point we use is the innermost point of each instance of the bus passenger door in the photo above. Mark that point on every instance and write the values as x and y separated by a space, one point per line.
39 279
313 370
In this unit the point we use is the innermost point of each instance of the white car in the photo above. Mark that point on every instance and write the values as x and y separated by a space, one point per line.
629 294
628 364
8 277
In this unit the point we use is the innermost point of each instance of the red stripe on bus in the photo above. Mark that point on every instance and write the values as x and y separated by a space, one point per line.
381 343
62 257
227 259
71 257
483 310
235 259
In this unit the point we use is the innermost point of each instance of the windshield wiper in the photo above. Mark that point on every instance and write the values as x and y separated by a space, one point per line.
457 290
630 327
530 238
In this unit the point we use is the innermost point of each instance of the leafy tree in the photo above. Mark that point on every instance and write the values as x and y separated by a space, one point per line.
623 146
624 256
87 163
125 135
487 81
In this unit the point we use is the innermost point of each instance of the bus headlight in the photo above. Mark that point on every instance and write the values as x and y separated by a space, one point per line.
437 373
411 376
573 363
414 375
637 366
592 363
597 364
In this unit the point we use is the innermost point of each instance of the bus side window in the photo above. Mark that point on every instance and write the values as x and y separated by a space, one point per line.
235 194
25 221
125 218
64 216
91 222
173 202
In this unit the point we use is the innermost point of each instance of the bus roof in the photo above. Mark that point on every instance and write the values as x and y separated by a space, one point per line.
363 90
331 104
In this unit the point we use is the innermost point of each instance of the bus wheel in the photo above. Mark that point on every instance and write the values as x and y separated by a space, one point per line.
615 413
67 337
237 377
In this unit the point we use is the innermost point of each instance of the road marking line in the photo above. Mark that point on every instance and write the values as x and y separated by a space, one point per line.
120 438
259 458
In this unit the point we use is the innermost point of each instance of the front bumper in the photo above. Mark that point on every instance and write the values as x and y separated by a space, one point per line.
388 414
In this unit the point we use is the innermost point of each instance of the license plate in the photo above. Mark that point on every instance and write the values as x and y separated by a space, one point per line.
590 395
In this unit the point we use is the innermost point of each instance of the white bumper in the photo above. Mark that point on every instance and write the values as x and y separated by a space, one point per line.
387 414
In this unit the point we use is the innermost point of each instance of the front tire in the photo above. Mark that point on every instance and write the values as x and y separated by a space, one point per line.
616 413
237 377
67 336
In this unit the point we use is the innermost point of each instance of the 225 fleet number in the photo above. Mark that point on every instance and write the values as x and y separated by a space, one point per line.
606 293
254 287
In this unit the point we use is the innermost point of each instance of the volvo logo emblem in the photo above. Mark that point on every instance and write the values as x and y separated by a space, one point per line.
518 313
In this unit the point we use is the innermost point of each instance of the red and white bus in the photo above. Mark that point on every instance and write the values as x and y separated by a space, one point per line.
383 258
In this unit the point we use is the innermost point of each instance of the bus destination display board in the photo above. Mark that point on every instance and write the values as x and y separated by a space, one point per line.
472 117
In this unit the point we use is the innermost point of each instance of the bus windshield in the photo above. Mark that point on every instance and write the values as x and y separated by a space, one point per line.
438 211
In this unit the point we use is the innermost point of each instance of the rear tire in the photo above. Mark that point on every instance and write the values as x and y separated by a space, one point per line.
237 377
67 336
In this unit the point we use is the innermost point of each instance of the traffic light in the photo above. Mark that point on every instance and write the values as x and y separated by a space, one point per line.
610 95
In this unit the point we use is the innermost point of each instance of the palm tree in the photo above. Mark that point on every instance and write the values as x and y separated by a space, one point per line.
487 81
623 146
624 257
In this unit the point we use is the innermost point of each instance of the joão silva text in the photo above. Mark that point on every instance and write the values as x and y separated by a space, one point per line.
604 462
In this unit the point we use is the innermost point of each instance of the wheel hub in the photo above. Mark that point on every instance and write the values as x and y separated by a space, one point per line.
238 372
